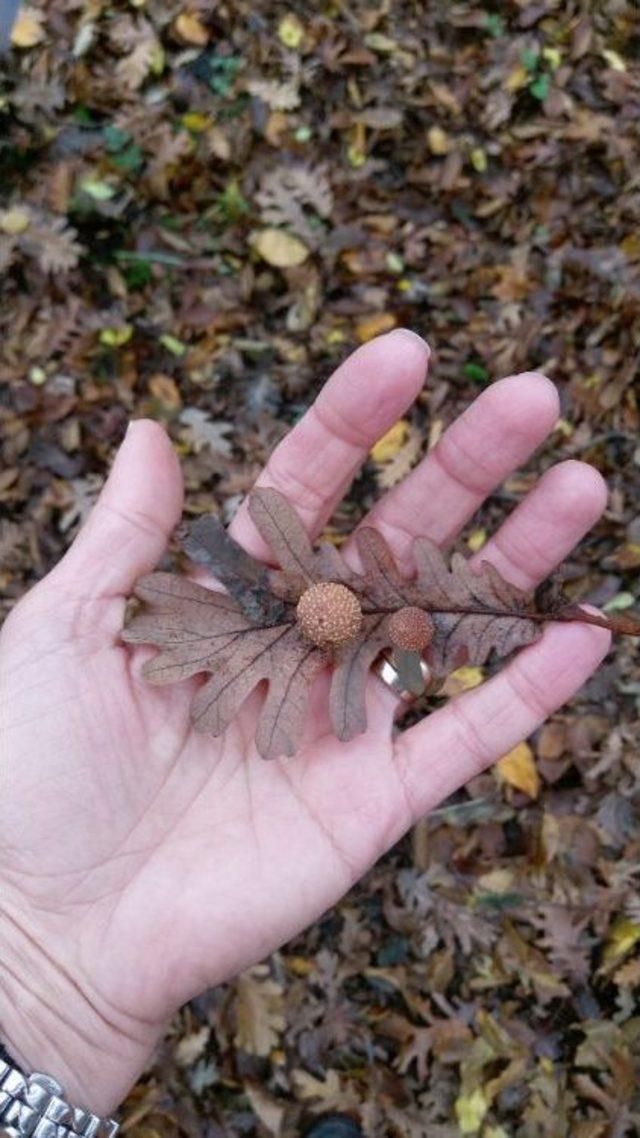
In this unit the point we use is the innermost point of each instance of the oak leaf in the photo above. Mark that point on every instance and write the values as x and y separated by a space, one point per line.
297 196
250 633
259 1011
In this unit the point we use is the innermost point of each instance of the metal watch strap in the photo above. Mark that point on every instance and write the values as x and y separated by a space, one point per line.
31 1106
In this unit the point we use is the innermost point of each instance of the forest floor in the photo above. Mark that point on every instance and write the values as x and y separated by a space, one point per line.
204 208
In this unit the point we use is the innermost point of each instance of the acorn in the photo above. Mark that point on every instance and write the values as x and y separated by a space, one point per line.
329 615
411 629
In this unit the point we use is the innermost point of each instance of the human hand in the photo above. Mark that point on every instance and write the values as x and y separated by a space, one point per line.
143 862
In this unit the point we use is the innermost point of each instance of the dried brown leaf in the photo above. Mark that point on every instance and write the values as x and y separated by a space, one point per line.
259 1011
252 635
288 191
204 631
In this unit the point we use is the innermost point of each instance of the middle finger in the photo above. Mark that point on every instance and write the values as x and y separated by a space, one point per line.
495 435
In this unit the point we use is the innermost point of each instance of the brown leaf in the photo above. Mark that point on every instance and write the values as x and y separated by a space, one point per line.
347 699
208 543
281 528
192 625
251 635
385 588
203 631
259 1011
279 248
278 655
287 192
475 611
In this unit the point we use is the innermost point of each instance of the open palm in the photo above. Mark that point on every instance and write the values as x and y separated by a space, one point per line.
141 861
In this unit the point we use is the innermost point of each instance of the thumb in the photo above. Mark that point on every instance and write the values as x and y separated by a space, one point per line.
126 533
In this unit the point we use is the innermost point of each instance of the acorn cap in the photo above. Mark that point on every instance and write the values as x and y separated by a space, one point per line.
411 629
329 614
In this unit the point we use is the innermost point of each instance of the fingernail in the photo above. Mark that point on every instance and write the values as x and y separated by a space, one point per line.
410 335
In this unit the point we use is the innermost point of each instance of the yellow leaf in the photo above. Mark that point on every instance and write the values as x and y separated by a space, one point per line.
196 122
116 337
478 159
28 30
371 326
623 935
391 442
156 62
173 345
615 61
299 965
189 29
477 539
14 221
380 43
280 249
438 140
516 79
495 881
470 1110
518 769
291 31
356 156
462 680
630 246
553 57
564 427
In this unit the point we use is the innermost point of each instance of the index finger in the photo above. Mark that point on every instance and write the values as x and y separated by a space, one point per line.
317 460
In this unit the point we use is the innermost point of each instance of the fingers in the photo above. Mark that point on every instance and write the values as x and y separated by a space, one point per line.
317 460
544 528
455 743
127 530
496 434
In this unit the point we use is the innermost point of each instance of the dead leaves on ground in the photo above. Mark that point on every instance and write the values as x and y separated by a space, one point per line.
251 633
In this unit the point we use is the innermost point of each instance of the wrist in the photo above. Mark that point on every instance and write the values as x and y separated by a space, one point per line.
51 1021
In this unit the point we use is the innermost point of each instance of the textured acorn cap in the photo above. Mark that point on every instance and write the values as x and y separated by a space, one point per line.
329 614
411 629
